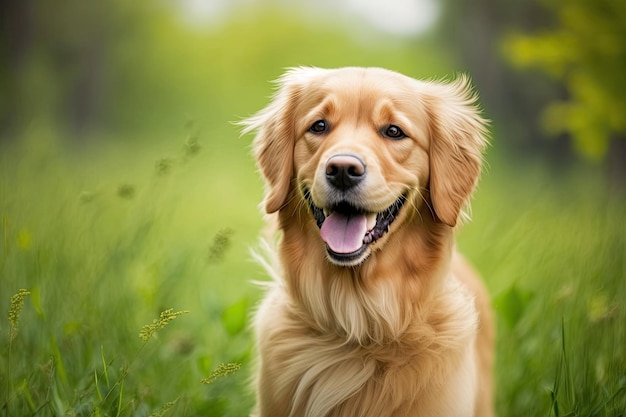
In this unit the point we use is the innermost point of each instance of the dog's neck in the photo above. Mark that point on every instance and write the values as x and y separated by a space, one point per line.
378 301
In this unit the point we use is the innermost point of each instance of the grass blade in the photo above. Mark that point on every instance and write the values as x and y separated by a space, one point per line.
104 366
119 402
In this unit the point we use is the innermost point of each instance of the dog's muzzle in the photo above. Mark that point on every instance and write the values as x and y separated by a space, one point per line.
348 230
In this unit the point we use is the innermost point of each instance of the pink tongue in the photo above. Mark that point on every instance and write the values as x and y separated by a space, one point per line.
344 233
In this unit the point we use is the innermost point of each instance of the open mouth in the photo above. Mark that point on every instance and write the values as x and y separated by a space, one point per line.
349 230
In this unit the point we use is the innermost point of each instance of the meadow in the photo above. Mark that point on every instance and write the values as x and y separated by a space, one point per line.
106 239
126 280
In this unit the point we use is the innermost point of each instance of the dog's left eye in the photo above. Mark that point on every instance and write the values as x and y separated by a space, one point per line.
394 132
319 127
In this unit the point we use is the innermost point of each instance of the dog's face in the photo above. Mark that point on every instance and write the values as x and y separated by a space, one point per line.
365 149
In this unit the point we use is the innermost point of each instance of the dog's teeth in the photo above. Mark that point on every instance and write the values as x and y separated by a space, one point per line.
371 221
326 212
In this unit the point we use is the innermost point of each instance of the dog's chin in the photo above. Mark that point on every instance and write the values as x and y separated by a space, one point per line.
349 259
374 227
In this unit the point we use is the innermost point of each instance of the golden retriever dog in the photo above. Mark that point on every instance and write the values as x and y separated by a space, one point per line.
372 312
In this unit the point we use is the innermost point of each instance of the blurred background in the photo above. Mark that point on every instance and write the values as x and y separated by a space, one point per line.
549 73
126 189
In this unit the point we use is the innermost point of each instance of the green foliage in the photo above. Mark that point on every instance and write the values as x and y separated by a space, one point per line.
587 53
511 304
234 317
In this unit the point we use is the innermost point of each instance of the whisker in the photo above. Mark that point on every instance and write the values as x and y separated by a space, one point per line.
430 208
414 204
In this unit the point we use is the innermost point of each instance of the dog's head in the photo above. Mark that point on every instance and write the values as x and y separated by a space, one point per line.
365 148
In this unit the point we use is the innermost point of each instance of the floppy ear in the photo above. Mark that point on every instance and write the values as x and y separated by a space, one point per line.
275 140
458 139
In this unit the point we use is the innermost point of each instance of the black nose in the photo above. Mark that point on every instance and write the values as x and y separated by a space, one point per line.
344 171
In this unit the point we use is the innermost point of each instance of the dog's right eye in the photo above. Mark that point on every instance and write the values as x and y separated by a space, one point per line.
319 127
394 132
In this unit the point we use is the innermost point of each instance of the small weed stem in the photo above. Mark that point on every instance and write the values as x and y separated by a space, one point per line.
17 303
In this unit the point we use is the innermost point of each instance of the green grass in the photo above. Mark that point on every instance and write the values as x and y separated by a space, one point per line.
107 238
552 247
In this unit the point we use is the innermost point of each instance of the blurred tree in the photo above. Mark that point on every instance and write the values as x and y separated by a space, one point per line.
16 35
55 57
571 85
586 52
138 68
473 31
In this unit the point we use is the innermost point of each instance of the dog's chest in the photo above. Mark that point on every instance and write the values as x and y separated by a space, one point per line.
316 374
344 381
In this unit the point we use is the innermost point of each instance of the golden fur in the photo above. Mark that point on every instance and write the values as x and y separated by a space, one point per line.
403 326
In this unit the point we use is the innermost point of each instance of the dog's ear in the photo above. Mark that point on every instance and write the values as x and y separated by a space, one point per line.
275 140
458 137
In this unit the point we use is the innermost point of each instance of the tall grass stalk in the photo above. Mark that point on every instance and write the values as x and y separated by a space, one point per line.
146 333
222 370
164 408
17 303
563 376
